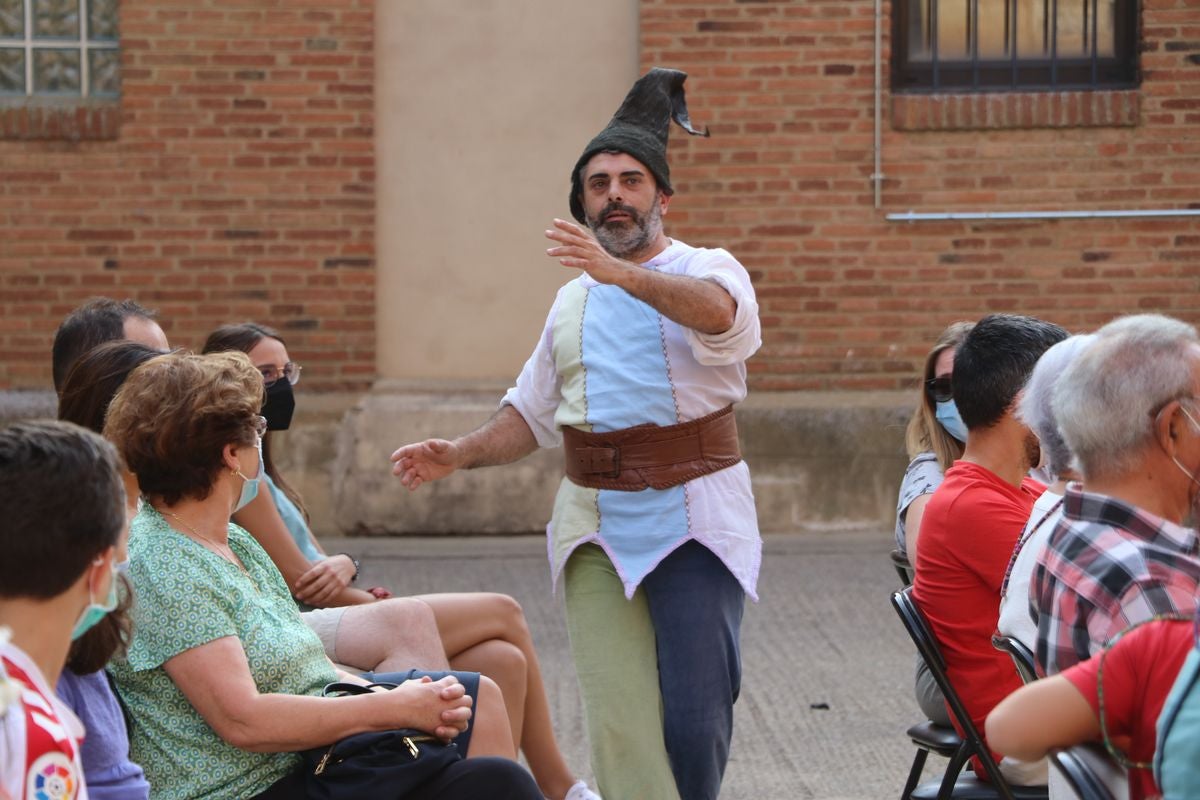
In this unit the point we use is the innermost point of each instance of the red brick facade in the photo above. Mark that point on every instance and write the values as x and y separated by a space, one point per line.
852 301
240 185
237 181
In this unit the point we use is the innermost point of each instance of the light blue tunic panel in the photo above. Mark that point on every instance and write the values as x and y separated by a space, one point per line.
627 382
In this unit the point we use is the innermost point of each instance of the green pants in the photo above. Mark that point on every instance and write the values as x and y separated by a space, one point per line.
612 641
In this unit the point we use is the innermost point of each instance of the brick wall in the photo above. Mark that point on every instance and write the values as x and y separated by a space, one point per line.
240 185
852 301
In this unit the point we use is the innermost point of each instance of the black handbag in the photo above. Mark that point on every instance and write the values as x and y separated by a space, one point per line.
378 764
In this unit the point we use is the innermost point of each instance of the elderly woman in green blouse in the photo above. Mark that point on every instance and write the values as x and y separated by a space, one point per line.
223 680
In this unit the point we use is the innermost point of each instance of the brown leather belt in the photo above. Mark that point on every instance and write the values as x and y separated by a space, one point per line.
653 456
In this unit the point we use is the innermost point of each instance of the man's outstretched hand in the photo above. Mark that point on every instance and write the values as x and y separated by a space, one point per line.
425 461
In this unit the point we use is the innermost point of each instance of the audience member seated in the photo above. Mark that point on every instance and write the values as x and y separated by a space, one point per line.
84 685
1017 618
97 321
1124 685
934 440
222 678
972 522
1128 410
480 632
89 388
58 578
376 637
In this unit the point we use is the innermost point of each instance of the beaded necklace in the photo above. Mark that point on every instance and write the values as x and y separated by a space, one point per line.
1112 749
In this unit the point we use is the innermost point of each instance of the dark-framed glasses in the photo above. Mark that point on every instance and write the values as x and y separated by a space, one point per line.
940 389
291 371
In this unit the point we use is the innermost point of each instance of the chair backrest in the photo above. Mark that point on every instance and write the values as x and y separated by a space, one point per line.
1022 656
922 635
903 568
1089 769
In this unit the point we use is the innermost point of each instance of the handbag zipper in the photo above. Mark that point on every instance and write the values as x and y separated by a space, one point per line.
411 743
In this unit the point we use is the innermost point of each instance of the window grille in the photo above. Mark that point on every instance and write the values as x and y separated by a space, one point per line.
997 45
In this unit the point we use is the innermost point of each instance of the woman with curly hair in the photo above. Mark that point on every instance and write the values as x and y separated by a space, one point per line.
480 631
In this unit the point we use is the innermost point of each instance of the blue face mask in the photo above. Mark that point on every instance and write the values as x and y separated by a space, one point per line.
947 416
97 611
250 487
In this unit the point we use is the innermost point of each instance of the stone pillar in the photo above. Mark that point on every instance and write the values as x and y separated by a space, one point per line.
482 108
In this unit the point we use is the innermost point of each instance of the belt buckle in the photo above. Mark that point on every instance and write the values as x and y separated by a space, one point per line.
604 461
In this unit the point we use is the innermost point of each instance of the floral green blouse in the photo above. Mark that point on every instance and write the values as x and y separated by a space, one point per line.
185 596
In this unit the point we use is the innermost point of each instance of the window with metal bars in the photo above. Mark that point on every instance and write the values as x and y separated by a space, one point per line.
1005 45
59 49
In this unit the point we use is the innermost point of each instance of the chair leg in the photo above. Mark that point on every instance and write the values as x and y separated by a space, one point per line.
950 777
914 774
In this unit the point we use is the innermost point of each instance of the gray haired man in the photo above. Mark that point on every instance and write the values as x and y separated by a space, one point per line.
1129 409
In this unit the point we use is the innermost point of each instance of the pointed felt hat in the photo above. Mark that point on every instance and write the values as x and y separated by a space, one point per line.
640 129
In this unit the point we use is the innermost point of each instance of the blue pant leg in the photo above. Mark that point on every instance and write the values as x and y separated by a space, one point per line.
696 606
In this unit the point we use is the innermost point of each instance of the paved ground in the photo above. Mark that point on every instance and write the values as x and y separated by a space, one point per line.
827 690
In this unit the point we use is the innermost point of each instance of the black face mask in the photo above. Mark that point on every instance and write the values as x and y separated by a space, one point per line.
279 406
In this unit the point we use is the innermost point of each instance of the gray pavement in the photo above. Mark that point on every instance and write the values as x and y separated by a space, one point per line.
823 634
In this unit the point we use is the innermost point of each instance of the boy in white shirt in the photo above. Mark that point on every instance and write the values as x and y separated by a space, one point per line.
62 519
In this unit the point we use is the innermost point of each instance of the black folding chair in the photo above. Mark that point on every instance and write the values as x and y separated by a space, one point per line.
954 784
929 737
1022 656
1089 769
902 567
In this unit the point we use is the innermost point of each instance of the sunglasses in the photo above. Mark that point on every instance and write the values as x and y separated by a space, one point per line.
940 389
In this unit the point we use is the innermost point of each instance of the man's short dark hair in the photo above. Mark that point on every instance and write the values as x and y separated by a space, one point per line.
62 502
993 363
98 320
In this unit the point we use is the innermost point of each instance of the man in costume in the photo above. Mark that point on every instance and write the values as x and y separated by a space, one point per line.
654 528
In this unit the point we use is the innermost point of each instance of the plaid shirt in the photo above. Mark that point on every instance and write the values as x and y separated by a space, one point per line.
1107 566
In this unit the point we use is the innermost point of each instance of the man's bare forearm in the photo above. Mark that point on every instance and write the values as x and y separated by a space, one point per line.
503 439
695 303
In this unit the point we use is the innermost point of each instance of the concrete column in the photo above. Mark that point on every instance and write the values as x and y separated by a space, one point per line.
482 108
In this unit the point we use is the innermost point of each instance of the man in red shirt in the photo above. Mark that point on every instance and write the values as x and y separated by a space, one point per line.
973 520
1128 684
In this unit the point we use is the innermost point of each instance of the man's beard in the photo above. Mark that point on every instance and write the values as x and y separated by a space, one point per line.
626 237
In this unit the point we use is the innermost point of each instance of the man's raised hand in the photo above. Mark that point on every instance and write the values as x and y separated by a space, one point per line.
425 461
578 248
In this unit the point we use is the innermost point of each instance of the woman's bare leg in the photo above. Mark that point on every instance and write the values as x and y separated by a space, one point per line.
492 735
505 664
466 621
393 635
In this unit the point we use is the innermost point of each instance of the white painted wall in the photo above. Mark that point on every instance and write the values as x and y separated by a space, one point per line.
482 108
